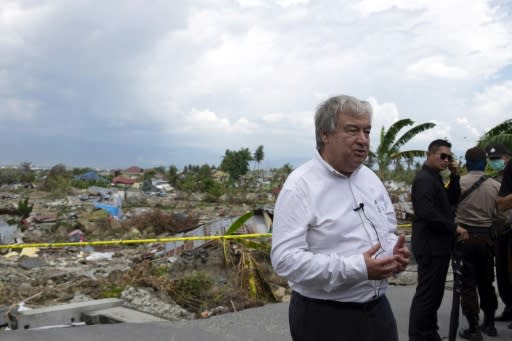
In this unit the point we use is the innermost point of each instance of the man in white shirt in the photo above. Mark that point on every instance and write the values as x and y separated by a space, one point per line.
334 234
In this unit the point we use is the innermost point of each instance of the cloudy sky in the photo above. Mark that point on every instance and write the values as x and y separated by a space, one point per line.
149 83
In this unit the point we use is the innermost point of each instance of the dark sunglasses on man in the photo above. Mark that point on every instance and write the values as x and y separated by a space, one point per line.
444 156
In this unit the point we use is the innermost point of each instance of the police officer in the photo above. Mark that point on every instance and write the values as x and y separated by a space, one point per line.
499 156
475 212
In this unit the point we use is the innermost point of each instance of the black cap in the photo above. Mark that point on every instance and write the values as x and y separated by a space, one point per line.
496 150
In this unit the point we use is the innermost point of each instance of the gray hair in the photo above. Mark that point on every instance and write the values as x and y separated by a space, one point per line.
327 114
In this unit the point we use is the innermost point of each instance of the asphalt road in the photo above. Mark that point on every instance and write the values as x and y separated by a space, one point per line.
268 323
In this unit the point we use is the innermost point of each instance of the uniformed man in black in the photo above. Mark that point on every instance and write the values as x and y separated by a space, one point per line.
499 156
433 234
504 200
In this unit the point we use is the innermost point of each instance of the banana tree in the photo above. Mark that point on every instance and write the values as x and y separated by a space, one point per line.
389 151
502 133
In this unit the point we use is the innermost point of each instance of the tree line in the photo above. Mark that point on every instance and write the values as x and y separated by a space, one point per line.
388 154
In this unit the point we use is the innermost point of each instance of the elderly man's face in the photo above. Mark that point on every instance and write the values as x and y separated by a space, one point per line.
347 148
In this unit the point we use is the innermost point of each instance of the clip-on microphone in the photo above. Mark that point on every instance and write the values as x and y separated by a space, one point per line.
360 207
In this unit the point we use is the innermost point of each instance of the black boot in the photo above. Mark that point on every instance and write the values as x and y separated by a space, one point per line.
488 325
473 333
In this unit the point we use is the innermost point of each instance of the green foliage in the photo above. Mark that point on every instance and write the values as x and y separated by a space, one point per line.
172 176
199 179
111 291
23 174
214 190
83 184
79 170
149 174
24 208
279 176
287 169
402 175
57 180
194 284
26 174
160 170
501 133
239 222
388 150
259 155
8 176
236 163
159 270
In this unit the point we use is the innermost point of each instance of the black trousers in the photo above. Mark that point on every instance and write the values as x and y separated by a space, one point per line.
432 271
478 273
319 320
504 267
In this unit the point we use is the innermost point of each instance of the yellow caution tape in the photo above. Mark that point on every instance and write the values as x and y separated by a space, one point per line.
143 241
135 241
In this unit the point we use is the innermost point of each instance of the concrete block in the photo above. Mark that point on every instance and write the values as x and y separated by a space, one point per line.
119 315
59 314
3 316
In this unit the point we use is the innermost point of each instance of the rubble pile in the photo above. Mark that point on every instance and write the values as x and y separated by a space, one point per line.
145 275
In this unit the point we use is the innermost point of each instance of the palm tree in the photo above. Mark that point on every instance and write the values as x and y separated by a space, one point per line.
388 150
502 133
259 155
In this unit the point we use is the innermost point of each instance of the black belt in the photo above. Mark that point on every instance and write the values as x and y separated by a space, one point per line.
347 305
477 230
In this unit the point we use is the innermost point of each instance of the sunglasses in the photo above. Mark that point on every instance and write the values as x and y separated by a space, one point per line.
445 156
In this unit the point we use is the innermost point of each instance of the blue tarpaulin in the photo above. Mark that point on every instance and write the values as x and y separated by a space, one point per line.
111 209
90 176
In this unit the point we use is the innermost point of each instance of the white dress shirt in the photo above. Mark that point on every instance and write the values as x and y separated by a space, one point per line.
318 238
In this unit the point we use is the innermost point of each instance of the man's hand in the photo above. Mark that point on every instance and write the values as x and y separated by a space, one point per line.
462 233
453 166
504 203
403 253
380 268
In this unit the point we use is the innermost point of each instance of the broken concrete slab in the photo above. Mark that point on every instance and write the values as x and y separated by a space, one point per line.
8 233
119 315
3 316
31 262
59 314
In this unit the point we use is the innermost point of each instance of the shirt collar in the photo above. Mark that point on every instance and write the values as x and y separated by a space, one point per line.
431 170
330 169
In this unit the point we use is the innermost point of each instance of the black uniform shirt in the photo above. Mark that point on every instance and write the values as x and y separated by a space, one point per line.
433 228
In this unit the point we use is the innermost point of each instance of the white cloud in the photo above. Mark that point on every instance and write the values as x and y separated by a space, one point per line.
491 106
436 67
384 114
470 131
250 3
289 3
16 110
208 121
273 118
367 7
